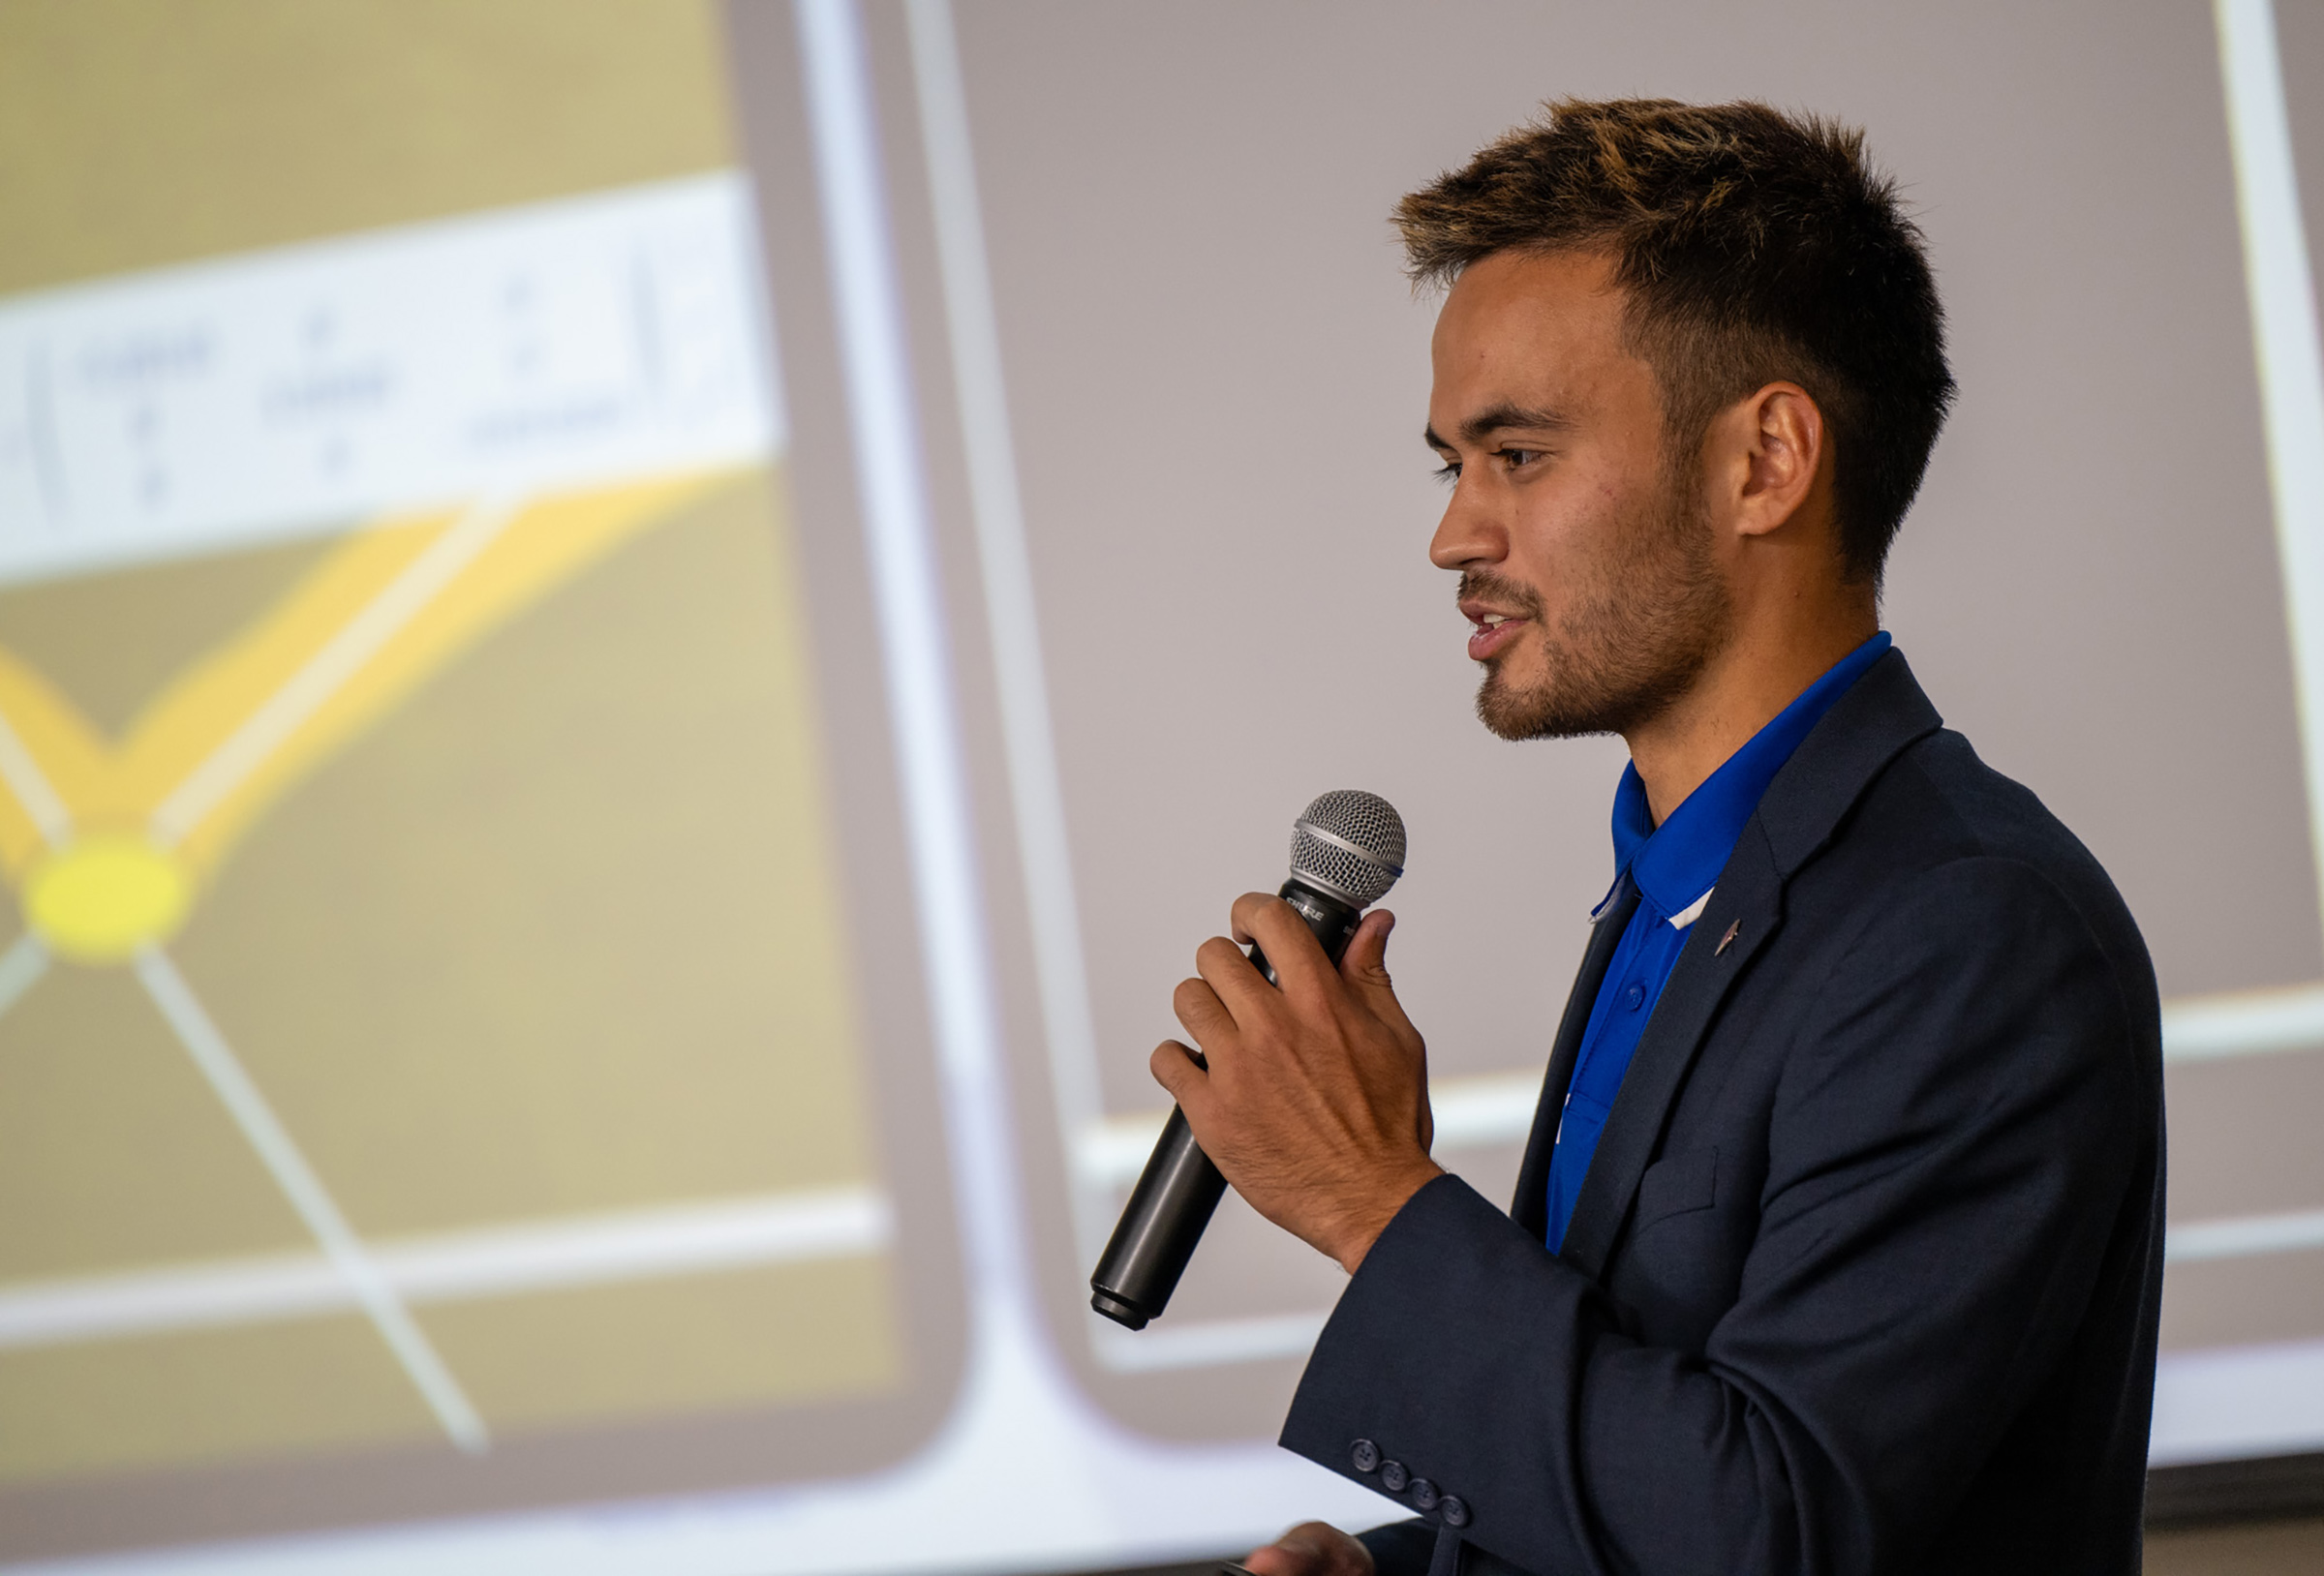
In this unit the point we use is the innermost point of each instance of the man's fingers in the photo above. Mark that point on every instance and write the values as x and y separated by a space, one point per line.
1200 1010
1284 937
1229 974
1174 1069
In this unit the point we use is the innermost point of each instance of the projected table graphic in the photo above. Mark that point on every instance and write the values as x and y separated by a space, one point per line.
504 1162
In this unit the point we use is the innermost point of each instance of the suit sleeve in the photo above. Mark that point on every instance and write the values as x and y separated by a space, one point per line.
1953 1131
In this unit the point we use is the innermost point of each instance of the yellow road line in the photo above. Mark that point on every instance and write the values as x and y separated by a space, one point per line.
384 600
353 644
382 614
48 757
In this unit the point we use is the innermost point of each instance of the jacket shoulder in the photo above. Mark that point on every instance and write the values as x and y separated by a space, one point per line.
1938 803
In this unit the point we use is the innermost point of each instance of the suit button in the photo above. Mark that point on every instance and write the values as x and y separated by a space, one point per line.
1423 1494
1456 1513
1393 1475
1365 1455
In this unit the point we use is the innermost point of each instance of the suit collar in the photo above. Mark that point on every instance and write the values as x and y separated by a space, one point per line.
1676 862
1881 715
1868 727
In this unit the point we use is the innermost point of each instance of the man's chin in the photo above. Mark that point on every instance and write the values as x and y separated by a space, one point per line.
1540 713
1517 714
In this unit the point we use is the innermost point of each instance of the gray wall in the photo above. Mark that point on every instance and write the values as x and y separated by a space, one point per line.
1218 376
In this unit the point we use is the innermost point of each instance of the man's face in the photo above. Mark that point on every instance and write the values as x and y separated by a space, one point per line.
1586 560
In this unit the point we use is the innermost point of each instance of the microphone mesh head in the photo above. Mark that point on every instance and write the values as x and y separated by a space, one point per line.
1349 842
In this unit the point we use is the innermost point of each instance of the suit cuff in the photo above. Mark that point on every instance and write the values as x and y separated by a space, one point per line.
1454 1301
1401 1548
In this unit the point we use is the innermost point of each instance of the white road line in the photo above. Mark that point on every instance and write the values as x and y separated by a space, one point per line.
1216 1342
1475 1112
291 1174
1472 1113
1111 1151
20 968
2243 1023
2244 1236
2290 359
695 1239
339 659
1212 1343
1204 1343
2233 1402
30 784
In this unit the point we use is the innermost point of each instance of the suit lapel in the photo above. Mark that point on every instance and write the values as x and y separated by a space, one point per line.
1748 901
1530 1208
1882 714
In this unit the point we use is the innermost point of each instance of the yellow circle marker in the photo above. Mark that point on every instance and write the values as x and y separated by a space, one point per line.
106 897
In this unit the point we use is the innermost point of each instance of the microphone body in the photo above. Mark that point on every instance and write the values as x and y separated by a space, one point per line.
1347 849
1180 1187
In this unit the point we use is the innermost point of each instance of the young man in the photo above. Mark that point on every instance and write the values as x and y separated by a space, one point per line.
1837 1246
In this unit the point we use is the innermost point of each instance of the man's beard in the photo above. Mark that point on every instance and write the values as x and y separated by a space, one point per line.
1630 640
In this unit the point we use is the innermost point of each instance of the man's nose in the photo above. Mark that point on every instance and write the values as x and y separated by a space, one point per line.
1468 535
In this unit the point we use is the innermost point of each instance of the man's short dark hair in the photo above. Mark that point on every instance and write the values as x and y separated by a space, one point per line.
1755 246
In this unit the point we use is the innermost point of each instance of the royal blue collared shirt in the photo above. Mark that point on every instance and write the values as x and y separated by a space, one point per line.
1673 867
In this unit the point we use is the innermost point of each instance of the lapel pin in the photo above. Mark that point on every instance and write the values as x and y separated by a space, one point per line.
1733 929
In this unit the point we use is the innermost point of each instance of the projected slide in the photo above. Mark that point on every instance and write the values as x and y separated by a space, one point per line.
428 1035
168 424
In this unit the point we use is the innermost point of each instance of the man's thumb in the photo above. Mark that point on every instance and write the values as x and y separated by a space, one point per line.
1364 964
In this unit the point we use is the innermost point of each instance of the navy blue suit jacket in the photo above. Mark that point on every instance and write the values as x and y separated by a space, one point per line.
1864 1274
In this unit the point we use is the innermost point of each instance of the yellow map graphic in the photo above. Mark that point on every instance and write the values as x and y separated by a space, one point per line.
113 844
432 1020
109 841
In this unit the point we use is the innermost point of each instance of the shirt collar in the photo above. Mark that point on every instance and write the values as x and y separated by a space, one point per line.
1676 864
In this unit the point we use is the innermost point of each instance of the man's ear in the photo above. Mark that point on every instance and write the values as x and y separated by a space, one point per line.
1778 449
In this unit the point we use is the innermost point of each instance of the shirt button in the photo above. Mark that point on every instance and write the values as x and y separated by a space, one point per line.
1393 1475
1423 1494
1365 1455
1457 1514
1634 997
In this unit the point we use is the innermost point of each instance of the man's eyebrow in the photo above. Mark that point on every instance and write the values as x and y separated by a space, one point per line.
1502 419
1514 417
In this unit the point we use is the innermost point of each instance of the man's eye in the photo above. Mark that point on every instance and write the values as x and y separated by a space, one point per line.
1517 459
1449 472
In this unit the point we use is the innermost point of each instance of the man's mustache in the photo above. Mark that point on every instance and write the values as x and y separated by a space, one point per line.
1486 586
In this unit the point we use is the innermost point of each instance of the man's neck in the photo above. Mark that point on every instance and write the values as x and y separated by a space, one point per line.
1737 694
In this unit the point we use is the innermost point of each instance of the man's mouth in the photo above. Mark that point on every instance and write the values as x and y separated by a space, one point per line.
1493 630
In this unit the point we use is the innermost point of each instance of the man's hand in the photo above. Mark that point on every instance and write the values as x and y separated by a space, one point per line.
1315 1102
1311 1548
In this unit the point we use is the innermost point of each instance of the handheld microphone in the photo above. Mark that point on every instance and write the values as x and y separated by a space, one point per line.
1347 849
